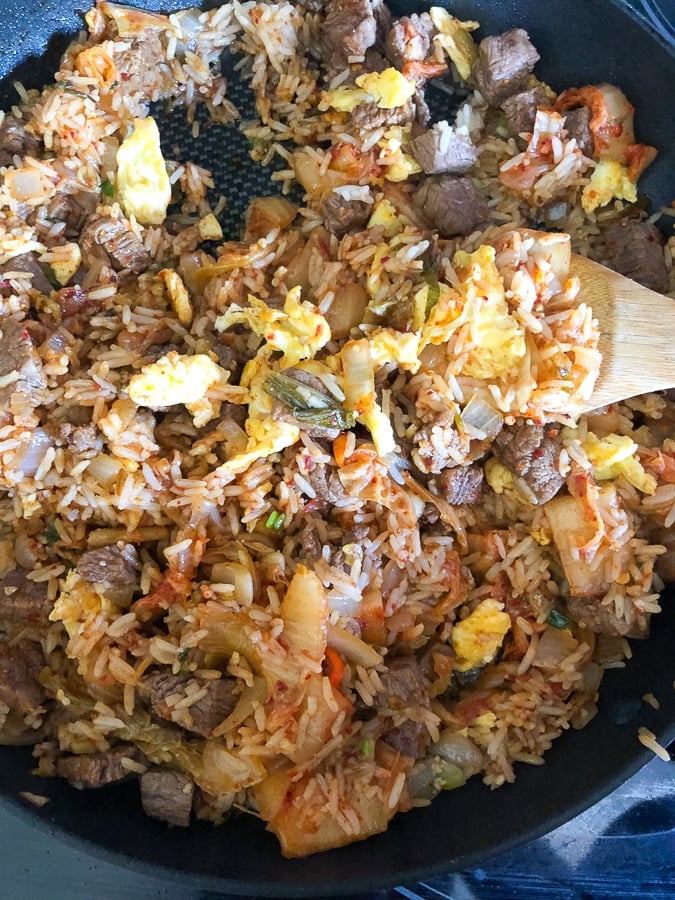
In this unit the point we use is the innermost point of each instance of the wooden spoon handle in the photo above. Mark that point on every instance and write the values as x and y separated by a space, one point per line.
637 334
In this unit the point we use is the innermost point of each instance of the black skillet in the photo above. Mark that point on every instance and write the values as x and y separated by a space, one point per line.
580 42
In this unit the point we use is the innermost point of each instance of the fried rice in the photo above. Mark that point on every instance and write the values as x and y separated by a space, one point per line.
303 524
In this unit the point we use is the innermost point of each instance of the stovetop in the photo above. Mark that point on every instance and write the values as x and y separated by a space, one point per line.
624 846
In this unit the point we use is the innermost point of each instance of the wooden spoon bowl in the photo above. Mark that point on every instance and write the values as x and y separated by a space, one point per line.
637 334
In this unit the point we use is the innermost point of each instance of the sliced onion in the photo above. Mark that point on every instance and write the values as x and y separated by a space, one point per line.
592 674
234 435
555 644
257 693
458 749
351 646
104 469
266 213
237 575
25 551
347 309
57 341
30 459
131 22
483 417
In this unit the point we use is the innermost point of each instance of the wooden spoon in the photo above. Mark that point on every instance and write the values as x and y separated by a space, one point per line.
637 334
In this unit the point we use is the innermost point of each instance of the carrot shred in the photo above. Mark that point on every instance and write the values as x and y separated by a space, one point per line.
339 445
334 667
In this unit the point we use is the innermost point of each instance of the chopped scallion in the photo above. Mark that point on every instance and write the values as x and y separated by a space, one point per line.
310 407
275 520
434 292
557 619
107 188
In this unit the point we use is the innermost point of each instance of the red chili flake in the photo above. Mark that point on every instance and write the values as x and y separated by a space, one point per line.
282 687
538 453
385 259
24 335
125 76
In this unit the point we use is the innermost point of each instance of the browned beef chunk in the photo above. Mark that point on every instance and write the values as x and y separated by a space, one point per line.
410 738
409 39
405 687
431 659
444 149
15 141
114 240
503 65
461 484
326 484
23 602
452 205
437 445
85 439
20 666
422 112
349 29
369 115
403 684
140 67
163 692
20 365
109 566
635 249
577 124
521 109
73 300
382 22
590 612
71 209
167 796
532 453
27 262
342 215
95 770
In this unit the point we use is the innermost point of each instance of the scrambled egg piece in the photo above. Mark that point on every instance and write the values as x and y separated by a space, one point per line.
389 89
479 301
498 476
175 379
209 228
455 38
299 331
388 345
180 299
385 215
477 638
615 455
265 434
64 261
610 179
359 387
398 166
142 180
